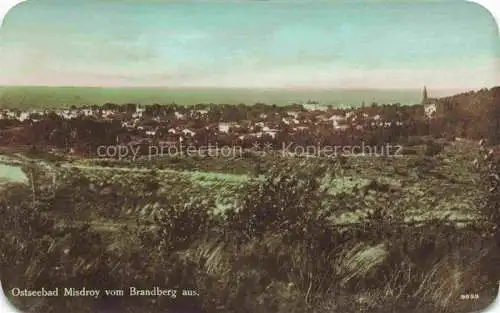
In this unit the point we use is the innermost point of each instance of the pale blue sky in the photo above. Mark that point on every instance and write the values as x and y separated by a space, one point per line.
325 44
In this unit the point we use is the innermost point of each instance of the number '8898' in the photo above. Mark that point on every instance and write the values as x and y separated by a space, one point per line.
469 297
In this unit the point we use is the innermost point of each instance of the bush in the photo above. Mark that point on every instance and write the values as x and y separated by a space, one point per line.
433 148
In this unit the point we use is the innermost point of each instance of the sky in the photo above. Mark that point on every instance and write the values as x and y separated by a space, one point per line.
250 44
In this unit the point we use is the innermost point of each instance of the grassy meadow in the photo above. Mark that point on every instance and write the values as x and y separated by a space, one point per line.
405 233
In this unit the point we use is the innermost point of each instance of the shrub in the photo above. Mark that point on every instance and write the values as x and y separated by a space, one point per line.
433 148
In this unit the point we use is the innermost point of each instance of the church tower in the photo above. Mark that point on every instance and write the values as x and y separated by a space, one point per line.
425 96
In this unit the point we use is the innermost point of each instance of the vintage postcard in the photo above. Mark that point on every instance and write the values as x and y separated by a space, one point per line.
249 156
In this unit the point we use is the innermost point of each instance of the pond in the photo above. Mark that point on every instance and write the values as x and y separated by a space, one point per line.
11 173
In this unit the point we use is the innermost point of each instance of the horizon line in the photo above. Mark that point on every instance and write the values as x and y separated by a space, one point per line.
290 88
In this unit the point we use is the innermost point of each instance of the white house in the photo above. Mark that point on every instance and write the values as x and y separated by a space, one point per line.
336 118
24 116
341 126
188 132
430 110
224 127
350 114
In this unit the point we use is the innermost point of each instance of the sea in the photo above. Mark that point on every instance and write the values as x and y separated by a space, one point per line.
25 97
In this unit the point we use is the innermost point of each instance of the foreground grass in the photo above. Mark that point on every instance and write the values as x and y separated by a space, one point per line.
275 247
274 250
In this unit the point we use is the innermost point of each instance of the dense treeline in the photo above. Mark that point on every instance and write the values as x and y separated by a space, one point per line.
474 115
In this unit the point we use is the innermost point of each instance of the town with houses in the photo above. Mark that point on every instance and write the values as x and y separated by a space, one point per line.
223 124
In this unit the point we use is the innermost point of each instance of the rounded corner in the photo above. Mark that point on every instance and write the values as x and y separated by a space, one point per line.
6 305
494 306
488 6
7 6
